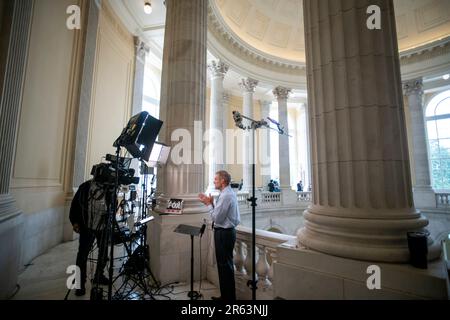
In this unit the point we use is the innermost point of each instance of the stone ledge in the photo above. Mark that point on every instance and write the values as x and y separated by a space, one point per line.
300 273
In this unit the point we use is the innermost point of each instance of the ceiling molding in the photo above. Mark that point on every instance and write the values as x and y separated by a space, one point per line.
218 26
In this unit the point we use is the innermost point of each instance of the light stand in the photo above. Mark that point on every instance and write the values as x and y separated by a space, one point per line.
110 228
254 125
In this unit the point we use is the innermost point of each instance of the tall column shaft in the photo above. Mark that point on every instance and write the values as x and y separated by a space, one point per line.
423 194
216 150
265 145
183 100
139 73
362 204
282 95
15 17
248 85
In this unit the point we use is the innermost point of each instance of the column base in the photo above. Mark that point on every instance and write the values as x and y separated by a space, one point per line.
300 273
11 233
355 234
170 252
424 197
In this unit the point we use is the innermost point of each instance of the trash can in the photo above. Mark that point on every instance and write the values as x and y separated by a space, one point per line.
418 249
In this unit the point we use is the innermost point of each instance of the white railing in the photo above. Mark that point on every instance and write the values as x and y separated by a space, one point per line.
266 254
442 200
305 196
242 198
269 198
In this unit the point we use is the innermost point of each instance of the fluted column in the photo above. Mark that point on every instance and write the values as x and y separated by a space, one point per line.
216 148
248 86
264 135
282 95
183 101
141 51
16 22
362 203
423 193
308 183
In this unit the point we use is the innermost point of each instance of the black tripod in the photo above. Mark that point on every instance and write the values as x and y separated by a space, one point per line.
254 125
137 269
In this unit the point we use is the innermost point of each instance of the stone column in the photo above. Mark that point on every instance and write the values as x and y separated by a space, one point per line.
216 148
248 86
282 95
183 98
423 193
226 98
362 203
16 23
264 144
141 50
308 177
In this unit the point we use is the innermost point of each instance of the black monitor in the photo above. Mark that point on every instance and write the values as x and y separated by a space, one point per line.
139 135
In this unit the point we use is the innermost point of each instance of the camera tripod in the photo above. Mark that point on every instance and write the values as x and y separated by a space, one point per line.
136 271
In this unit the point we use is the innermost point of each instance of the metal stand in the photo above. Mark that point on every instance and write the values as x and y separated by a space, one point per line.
253 126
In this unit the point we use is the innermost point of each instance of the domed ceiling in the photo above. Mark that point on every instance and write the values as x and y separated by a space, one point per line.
274 27
264 39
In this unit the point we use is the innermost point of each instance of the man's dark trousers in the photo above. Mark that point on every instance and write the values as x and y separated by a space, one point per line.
87 237
224 240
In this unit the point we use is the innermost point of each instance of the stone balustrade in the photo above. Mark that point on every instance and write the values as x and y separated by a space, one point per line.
270 198
304 196
442 200
266 254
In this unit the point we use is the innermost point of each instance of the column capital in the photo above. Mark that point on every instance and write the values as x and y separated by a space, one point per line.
282 92
141 48
248 85
218 68
413 87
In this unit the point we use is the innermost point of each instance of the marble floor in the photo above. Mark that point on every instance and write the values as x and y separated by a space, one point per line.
45 279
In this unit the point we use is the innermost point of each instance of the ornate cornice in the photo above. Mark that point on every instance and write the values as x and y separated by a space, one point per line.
232 41
281 92
248 85
218 69
413 87
426 52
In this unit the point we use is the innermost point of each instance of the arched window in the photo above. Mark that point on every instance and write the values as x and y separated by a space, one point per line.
438 128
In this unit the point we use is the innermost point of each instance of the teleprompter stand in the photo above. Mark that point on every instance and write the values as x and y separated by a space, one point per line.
192 231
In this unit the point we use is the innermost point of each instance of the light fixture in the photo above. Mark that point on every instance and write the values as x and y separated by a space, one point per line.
148 7
446 76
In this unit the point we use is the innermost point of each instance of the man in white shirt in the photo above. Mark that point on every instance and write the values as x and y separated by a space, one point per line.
225 216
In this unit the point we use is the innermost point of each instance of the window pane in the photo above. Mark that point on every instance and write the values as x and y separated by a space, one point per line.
434 149
443 107
443 128
445 174
431 127
444 148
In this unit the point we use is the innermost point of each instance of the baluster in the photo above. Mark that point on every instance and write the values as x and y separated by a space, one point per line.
239 257
272 252
262 267
248 259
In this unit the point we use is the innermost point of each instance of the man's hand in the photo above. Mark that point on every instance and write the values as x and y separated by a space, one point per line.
76 227
205 199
